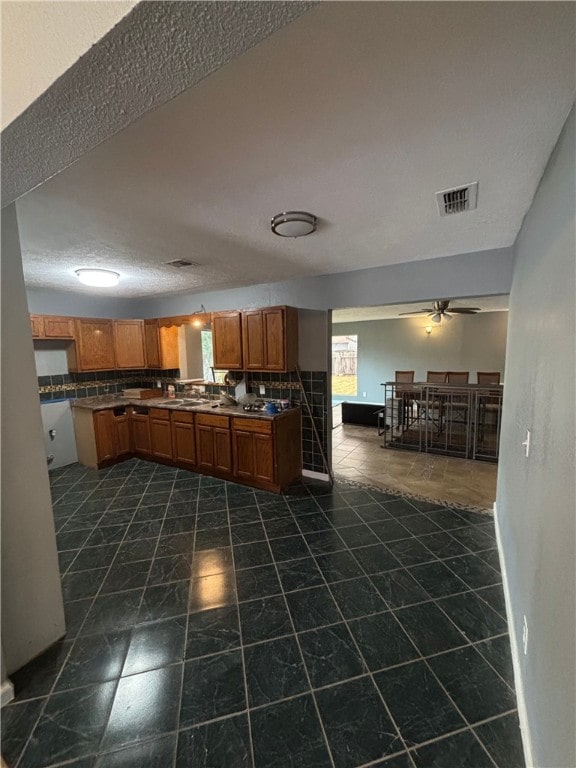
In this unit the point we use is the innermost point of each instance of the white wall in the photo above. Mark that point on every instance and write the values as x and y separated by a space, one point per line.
467 343
536 495
32 608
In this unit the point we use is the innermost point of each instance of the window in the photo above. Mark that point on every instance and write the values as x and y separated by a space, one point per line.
344 365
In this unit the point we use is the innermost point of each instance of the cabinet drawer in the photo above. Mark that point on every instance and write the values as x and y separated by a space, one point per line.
184 417
253 425
209 420
59 327
159 413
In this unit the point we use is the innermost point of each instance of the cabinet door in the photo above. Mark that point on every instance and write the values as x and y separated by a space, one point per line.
183 443
104 433
161 438
169 352
152 344
129 343
274 339
37 324
95 345
58 327
243 455
253 340
264 458
141 434
204 447
123 436
222 451
227 340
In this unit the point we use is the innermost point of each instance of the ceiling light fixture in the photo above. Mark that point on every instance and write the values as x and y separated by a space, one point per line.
428 329
293 224
99 278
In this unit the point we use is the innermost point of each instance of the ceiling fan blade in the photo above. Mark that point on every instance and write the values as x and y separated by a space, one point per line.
446 316
465 310
436 317
415 312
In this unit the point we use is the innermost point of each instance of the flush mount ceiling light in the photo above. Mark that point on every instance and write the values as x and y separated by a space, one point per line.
100 278
293 224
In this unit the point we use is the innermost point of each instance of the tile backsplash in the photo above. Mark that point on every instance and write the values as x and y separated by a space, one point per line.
78 385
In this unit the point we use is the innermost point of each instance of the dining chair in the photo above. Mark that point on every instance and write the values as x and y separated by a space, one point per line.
436 377
457 377
484 377
406 394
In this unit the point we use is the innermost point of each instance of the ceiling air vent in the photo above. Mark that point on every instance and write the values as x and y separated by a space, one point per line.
180 263
457 200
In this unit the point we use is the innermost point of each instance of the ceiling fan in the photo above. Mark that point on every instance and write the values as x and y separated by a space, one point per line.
439 310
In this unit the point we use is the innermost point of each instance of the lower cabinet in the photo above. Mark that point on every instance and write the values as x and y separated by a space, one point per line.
253 448
103 437
160 433
141 431
183 439
213 448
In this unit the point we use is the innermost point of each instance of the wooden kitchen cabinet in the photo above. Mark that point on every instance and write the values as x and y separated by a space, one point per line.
270 339
129 343
160 433
253 451
94 347
102 437
161 343
140 431
213 444
52 327
104 432
37 325
183 439
227 340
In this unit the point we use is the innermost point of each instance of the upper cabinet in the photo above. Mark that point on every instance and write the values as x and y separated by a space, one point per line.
161 345
270 339
52 327
227 340
94 348
129 343
152 344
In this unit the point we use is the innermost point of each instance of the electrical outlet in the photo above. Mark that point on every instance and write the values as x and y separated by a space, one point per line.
363 394
262 389
525 636
526 443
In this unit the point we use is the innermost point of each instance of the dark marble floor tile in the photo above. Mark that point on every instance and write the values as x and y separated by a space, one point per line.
146 529
145 705
357 497
274 670
181 505
273 509
264 619
491 557
331 501
153 512
71 726
399 588
171 568
357 725
247 514
474 571
420 524
245 533
129 552
429 628
375 559
118 516
81 522
498 653
94 659
315 522
251 555
212 538
252 583
447 519
479 693
494 596
289 548
357 597
382 641
212 687
74 615
358 536
420 707
110 612
124 576
476 518
336 566
108 534
155 645
473 537
288 735
345 517
324 541
437 579
164 600
400 508
212 631
18 721
71 540
94 557
410 552
461 749
82 584
390 530
311 608
503 740
158 753
286 526
38 676
174 525
222 744
303 506
473 617
372 513
402 760
443 545
299 574
208 562
330 655
215 591
207 520
176 544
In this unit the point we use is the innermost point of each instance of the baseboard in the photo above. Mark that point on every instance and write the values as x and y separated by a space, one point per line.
7 693
316 475
520 697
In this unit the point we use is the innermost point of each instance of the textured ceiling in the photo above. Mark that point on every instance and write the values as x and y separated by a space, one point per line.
392 311
357 112
40 41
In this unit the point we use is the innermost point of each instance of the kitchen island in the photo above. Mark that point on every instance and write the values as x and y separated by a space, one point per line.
254 448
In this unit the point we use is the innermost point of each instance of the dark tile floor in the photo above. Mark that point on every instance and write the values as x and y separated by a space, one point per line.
210 625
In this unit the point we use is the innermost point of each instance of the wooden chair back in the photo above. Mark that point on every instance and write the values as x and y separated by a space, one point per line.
458 377
488 378
436 377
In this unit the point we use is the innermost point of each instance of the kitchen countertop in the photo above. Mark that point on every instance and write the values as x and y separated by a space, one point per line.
110 401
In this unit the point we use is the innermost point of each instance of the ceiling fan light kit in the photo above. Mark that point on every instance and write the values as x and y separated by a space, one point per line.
439 310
